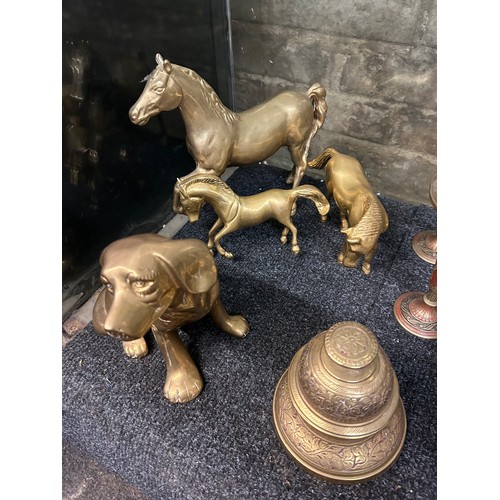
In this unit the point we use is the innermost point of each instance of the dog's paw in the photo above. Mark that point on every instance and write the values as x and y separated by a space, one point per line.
182 385
135 348
237 326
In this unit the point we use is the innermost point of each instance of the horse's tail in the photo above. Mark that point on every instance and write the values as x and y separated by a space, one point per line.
314 194
317 94
321 160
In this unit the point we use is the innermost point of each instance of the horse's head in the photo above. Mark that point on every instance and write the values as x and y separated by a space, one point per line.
191 205
161 93
359 242
362 238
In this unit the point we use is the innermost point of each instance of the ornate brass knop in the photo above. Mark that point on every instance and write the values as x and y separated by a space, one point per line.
337 408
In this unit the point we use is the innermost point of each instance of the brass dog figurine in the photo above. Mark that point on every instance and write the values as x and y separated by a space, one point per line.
235 212
363 217
217 137
153 282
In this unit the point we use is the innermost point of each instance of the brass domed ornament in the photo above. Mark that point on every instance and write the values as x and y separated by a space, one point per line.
337 409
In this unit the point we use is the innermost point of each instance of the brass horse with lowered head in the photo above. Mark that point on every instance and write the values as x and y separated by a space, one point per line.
217 137
235 212
362 215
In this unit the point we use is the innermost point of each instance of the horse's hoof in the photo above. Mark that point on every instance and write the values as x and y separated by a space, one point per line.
295 249
366 268
228 255
349 264
340 258
283 239
324 218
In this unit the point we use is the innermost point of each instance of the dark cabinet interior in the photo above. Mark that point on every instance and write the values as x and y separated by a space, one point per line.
117 178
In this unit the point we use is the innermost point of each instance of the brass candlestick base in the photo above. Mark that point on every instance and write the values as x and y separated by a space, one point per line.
416 312
424 245
337 409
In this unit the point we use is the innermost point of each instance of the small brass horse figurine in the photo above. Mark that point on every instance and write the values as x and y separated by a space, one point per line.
217 137
362 215
235 212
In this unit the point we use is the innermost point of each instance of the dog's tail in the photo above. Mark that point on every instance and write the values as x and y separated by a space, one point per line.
314 194
321 160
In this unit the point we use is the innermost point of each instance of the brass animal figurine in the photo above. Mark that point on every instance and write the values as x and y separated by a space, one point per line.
217 137
153 282
363 217
235 212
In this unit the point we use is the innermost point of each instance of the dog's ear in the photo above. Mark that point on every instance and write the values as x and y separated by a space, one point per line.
100 311
191 265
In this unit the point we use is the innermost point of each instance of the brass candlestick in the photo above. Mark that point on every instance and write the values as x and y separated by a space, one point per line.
424 243
416 312
337 408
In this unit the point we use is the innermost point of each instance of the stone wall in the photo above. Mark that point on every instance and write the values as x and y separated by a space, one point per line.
377 61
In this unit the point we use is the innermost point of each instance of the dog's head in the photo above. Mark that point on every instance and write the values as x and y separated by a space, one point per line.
142 275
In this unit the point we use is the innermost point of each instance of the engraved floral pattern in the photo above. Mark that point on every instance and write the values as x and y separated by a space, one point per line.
351 343
360 457
344 408
425 326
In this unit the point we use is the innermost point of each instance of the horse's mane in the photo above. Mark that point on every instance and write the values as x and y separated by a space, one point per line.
368 225
212 98
214 181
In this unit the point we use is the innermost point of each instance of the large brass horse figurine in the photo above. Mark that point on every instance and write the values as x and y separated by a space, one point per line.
217 137
235 212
